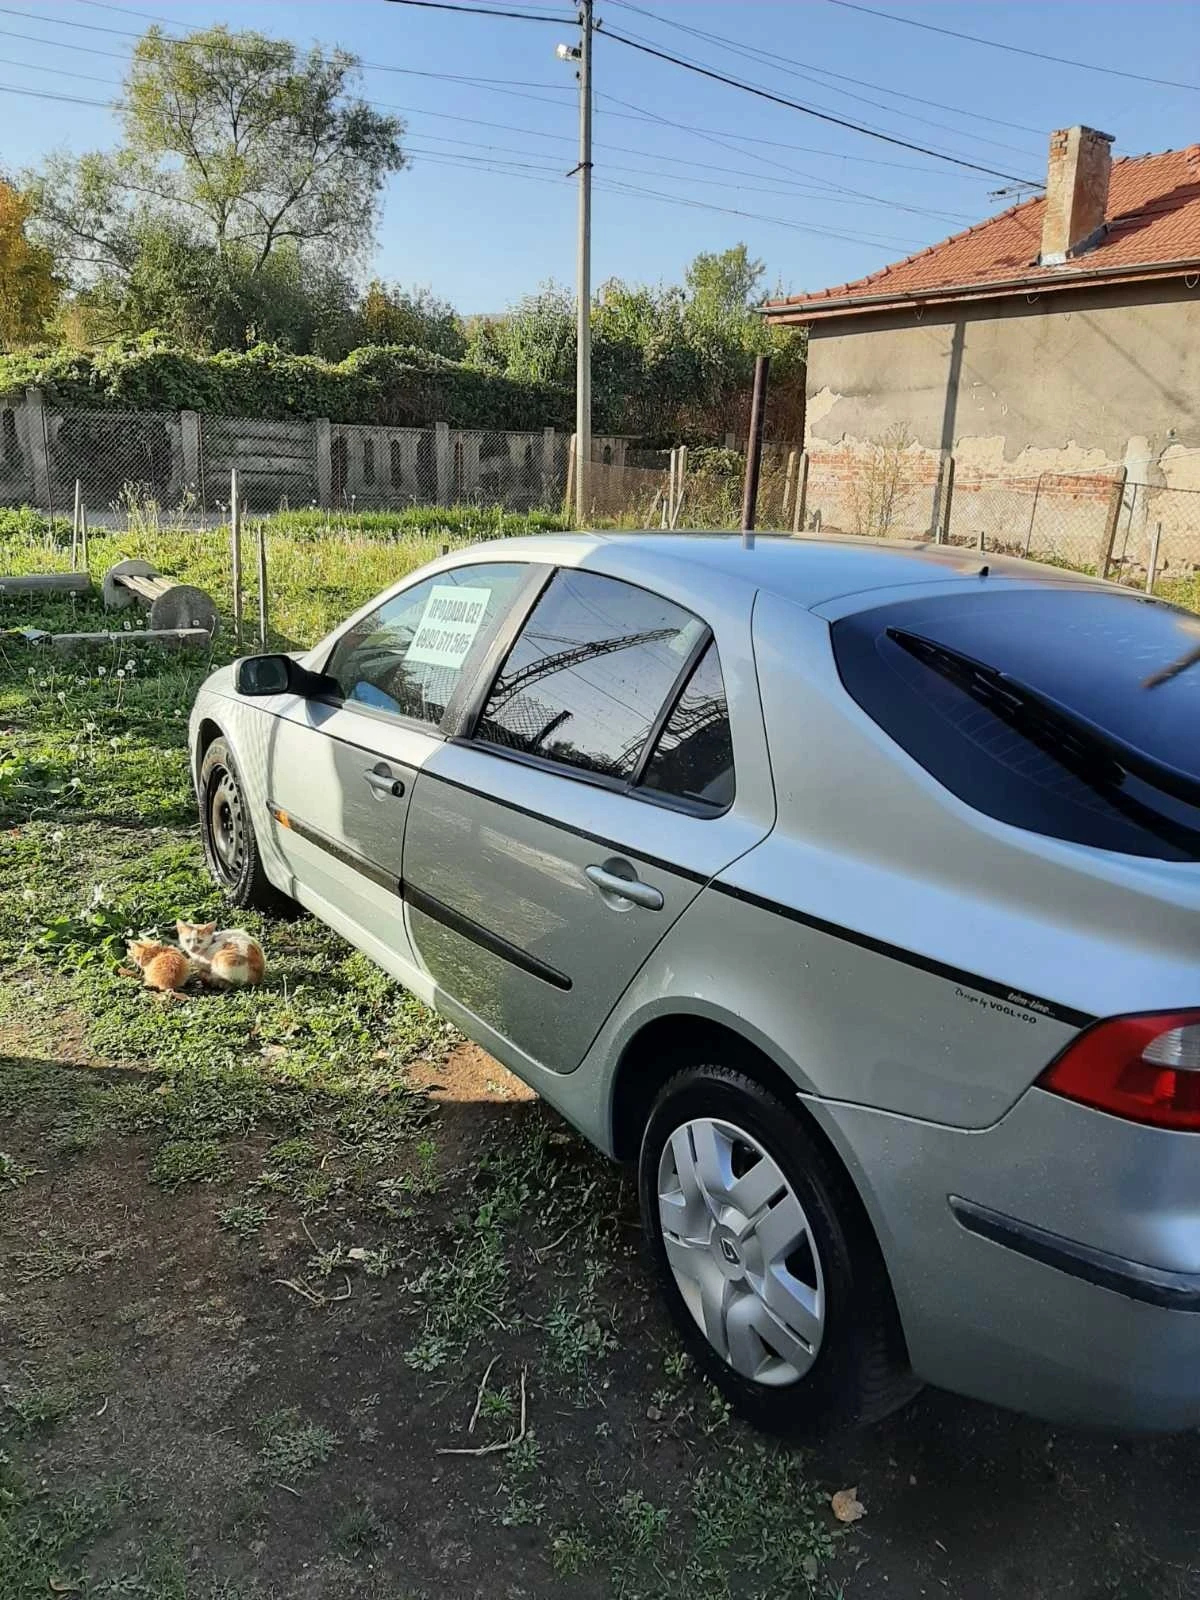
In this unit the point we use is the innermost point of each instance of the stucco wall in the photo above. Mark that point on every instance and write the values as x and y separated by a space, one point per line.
1074 384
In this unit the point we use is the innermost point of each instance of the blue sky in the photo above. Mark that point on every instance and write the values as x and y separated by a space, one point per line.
484 213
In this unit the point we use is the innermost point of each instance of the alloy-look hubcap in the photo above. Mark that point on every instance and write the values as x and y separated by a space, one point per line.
741 1251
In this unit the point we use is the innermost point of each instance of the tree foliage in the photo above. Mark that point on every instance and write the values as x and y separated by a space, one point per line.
247 181
390 314
29 289
673 361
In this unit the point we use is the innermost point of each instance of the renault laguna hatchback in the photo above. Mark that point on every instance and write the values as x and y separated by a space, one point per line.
852 890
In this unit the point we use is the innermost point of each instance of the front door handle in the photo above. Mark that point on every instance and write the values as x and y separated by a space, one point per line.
384 782
641 894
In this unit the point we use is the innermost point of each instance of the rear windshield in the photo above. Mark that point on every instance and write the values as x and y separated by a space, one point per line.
1070 712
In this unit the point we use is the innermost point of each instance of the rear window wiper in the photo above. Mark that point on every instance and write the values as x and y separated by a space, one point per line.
1083 746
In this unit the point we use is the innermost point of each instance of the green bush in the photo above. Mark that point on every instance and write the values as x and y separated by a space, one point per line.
387 384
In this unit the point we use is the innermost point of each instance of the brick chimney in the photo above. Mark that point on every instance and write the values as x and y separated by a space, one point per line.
1076 193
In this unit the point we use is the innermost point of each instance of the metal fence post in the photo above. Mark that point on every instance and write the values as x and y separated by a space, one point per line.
76 520
549 464
1152 569
235 545
323 464
570 494
33 426
942 534
801 504
262 583
1037 490
789 486
441 451
189 449
1104 553
758 416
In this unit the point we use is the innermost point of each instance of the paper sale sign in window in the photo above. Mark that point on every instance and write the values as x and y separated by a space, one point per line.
448 625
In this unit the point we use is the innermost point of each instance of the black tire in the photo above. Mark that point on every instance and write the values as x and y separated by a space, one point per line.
230 842
859 1371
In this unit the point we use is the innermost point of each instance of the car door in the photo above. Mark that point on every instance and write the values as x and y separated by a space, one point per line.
341 772
551 847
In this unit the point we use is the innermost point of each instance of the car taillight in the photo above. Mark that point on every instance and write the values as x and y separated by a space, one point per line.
1146 1069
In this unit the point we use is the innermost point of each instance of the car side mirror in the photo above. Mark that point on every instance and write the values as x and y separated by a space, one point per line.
279 674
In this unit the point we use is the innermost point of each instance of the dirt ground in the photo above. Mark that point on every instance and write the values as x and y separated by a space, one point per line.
301 1298
158 1341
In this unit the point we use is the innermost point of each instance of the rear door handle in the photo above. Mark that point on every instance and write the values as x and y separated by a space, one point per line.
384 782
641 894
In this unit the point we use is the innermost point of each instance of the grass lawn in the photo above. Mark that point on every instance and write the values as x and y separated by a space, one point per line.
303 1296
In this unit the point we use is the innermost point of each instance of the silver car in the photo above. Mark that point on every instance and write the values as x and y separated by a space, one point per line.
852 890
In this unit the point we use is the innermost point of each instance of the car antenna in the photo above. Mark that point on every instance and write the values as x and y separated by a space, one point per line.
984 570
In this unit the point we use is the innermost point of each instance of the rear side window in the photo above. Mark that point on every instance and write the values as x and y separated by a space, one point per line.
589 674
405 658
1070 712
693 758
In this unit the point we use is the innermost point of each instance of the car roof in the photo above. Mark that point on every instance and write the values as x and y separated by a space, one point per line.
808 571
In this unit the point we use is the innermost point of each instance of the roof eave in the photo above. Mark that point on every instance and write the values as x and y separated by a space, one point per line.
783 313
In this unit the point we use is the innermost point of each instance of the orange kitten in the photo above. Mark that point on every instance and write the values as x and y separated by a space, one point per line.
228 959
162 966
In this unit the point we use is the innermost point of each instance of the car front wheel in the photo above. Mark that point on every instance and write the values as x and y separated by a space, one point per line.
230 842
766 1261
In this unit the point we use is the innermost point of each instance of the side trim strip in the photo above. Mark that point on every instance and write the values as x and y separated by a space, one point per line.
567 827
484 937
420 901
348 858
1155 1286
911 958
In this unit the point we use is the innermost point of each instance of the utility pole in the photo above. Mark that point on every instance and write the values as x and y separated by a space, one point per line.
583 354
582 53
758 416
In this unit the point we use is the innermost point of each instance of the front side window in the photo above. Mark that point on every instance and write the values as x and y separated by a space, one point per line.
589 674
693 758
406 657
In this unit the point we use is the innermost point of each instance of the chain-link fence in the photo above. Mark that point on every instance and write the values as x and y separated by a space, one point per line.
1095 521
164 466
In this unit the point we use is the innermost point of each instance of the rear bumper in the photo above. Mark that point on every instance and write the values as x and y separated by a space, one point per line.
1091 1314
1153 1286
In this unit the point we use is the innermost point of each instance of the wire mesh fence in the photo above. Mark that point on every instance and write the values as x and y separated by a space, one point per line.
156 467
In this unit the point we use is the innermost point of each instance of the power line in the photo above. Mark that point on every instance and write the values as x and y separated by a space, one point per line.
769 58
645 115
873 101
59 72
789 191
782 193
485 11
48 94
515 168
706 166
792 171
823 116
519 169
514 89
126 11
495 85
1014 49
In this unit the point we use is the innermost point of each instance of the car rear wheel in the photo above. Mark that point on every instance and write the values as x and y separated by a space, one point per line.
230 843
765 1259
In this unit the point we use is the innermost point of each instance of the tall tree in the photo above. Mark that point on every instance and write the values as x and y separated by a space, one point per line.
250 144
29 289
392 315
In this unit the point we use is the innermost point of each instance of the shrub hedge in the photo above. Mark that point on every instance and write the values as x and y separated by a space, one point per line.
387 384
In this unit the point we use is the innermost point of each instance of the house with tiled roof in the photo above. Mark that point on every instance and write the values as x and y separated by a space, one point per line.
1059 340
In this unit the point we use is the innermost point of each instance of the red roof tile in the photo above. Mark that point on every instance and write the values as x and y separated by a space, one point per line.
1153 222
